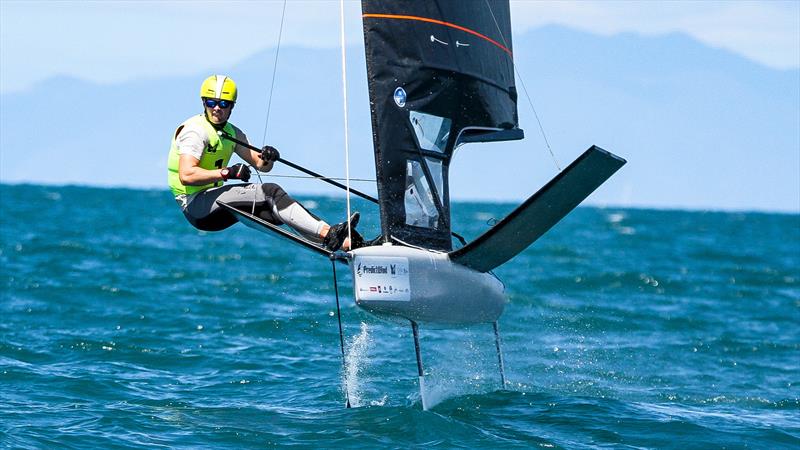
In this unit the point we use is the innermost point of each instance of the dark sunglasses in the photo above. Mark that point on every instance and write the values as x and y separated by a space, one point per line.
224 104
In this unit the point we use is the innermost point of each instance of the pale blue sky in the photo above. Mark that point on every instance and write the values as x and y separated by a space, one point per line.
709 121
125 40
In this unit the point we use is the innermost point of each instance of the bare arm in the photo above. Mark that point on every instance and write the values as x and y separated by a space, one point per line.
191 142
191 174
254 159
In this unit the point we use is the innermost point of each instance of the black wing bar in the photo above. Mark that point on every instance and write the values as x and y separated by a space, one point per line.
536 215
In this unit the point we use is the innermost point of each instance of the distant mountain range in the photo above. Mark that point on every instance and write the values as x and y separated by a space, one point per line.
701 128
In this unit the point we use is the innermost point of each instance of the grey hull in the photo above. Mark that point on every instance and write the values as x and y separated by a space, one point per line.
423 286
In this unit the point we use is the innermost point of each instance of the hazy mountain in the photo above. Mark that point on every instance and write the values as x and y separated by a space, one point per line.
700 127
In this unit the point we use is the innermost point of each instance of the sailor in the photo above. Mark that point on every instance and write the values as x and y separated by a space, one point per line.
198 169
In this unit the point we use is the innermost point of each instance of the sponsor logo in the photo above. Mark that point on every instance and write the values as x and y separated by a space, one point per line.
374 269
377 269
381 289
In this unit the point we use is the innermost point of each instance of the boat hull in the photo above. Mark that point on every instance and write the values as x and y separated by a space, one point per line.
423 286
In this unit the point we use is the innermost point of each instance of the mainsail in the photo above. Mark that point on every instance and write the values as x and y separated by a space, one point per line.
440 74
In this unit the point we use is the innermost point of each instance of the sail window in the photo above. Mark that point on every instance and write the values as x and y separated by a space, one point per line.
419 205
432 131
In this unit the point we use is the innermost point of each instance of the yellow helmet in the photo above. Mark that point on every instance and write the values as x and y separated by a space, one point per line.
218 86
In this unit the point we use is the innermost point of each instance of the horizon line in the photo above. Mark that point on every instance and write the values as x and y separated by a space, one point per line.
456 199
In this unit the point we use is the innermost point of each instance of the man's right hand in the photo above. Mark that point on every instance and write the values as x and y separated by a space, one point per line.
270 153
236 172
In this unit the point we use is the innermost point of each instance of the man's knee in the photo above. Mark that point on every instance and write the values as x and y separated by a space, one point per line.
279 197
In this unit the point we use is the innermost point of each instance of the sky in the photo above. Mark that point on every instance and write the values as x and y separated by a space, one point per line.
741 57
116 41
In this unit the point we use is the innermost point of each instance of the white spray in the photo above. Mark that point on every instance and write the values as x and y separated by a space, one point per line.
356 361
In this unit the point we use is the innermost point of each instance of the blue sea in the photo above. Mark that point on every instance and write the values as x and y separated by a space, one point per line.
123 327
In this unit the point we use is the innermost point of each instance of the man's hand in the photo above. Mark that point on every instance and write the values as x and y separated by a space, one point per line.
269 153
236 172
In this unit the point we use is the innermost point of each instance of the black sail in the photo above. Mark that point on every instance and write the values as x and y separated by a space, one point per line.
440 74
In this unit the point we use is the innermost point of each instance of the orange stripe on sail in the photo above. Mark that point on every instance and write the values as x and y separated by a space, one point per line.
439 22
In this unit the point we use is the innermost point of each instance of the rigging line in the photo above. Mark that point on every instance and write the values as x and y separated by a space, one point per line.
344 104
274 70
524 89
260 181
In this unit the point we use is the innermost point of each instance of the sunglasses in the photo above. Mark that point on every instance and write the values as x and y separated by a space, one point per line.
211 103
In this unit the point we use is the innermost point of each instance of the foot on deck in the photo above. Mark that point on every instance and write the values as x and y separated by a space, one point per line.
337 234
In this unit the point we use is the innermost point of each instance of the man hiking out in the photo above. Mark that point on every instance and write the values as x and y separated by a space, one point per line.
198 169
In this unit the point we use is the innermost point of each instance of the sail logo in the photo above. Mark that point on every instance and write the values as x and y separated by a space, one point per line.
433 39
400 97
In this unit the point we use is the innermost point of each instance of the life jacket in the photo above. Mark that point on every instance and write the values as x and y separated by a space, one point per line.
215 156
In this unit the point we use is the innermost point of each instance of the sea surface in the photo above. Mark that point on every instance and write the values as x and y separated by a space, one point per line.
123 327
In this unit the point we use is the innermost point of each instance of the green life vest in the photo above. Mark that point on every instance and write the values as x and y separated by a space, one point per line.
215 156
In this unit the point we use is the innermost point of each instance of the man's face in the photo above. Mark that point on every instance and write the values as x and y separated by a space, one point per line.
215 111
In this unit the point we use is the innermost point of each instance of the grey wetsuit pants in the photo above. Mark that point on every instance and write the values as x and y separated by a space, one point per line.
267 201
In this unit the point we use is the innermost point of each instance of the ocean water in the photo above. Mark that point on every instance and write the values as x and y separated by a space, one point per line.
123 327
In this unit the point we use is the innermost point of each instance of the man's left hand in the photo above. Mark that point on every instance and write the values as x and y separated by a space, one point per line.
236 172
